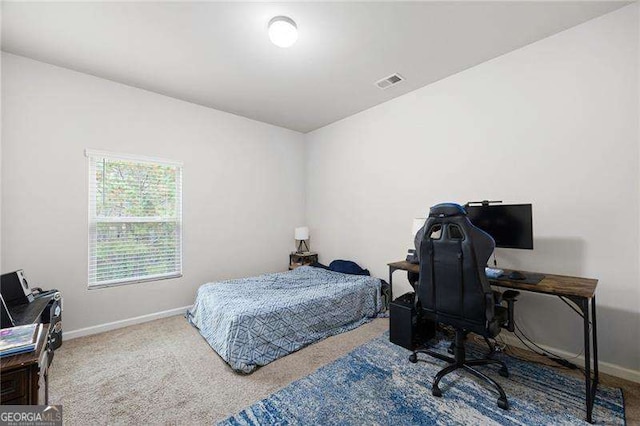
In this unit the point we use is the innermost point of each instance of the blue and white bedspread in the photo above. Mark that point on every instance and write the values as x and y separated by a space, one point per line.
250 322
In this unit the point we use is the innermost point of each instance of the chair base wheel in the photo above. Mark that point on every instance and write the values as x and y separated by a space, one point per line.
436 392
503 403
413 358
504 372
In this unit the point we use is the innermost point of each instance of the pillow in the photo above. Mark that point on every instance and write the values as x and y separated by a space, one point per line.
347 267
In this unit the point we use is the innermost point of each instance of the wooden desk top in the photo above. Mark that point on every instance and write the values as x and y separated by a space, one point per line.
557 285
27 358
405 266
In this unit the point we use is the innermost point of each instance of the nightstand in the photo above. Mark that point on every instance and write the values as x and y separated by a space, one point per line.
300 259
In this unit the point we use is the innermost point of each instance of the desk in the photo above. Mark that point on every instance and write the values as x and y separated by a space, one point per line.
581 291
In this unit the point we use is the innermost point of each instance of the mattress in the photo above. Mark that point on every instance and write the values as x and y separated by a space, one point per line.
253 321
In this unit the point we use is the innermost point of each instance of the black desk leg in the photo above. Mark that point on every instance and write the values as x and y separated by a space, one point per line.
594 333
391 269
587 357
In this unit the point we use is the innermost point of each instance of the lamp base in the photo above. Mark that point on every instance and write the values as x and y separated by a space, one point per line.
300 246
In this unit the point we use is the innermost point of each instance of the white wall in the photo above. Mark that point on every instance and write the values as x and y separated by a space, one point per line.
242 192
554 123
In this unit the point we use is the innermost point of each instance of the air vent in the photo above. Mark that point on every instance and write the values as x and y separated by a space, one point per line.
387 82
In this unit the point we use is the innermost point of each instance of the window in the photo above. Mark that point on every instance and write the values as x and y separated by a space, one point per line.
135 219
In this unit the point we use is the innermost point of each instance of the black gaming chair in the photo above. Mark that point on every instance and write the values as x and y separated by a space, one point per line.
453 289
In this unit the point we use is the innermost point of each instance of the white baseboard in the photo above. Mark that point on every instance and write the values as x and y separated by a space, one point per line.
605 367
101 328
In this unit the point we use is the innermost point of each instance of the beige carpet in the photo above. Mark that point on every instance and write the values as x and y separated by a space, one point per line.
163 372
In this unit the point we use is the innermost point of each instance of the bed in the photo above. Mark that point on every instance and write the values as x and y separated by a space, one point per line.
252 321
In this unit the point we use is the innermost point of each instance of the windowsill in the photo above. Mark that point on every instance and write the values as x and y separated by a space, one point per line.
133 281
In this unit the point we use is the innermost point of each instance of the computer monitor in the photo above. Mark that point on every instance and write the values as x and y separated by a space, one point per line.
510 225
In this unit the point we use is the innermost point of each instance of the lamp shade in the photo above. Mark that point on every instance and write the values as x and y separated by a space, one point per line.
418 223
302 233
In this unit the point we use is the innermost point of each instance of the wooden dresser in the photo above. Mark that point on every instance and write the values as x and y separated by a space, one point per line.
24 376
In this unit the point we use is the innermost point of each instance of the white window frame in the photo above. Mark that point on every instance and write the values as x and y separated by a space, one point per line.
94 220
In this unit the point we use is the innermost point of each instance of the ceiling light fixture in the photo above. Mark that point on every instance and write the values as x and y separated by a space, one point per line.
283 31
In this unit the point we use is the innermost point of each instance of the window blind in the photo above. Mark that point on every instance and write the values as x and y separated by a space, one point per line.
135 219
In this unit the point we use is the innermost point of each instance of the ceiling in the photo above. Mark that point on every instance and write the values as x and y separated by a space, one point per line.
219 54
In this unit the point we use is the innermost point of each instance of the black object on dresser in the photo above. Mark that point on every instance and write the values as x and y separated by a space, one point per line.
52 315
45 308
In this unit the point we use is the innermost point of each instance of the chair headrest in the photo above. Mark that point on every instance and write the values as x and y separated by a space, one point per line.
447 210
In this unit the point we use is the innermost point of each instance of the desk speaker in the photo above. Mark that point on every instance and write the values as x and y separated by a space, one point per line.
15 288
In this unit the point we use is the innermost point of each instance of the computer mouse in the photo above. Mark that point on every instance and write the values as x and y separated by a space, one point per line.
517 275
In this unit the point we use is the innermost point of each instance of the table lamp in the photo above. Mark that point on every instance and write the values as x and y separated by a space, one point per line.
301 235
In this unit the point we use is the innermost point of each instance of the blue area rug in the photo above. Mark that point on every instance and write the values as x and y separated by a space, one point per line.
376 385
